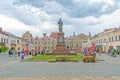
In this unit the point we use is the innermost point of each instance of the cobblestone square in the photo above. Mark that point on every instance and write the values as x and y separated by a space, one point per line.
11 68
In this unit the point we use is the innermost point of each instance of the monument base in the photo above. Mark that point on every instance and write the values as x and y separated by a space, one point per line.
61 49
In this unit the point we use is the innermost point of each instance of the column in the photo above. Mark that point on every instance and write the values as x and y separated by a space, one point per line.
9 46
0 37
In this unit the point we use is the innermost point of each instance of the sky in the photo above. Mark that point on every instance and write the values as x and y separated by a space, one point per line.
41 16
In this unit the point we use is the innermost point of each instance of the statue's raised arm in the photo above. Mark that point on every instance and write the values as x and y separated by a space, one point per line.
60 24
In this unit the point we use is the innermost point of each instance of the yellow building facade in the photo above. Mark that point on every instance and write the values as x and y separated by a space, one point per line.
48 43
9 40
106 39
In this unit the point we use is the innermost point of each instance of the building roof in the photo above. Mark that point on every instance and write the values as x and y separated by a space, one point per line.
106 31
8 34
53 35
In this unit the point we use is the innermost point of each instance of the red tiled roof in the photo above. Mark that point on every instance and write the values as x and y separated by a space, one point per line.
53 35
9 34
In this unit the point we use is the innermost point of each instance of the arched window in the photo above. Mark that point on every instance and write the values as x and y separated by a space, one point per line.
1 39
4 40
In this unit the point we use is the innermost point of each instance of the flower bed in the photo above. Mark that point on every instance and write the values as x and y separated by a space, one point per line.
57 58
62 58
89 59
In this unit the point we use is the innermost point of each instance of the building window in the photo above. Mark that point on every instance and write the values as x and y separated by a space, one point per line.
1 39
52 42
51 47
48 48
67 47
17 41
13 41
112 39
4 40
104 40
7 40
45 43
100 41
77 45
97 42
119 37
35 47
48 42
109 39
115 38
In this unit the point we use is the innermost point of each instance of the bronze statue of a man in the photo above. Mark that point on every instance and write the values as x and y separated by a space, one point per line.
60 23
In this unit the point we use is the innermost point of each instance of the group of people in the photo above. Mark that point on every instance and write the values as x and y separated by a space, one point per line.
35 52
113 52
13 52
90 50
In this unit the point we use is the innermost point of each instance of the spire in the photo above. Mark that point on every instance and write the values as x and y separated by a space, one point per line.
0 28
73 34
89 34
44 35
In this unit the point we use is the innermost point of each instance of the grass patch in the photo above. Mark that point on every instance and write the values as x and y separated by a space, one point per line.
52 58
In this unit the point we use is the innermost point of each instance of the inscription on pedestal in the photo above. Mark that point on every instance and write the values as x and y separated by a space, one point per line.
60 40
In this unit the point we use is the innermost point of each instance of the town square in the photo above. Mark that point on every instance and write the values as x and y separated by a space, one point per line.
54 40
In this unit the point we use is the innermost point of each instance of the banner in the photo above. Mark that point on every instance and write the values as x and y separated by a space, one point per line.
27 48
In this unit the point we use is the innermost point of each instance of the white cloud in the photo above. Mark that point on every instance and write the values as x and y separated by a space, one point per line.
14 26
104 22
54 7
93 24
37 12
104 8
109 2
47 26
37 20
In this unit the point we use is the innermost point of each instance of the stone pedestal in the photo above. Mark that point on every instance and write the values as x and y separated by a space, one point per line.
60 47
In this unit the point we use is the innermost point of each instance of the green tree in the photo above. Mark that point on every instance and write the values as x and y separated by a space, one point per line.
3 49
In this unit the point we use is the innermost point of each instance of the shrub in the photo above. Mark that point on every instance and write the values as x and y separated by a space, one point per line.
62 59
51 60
73 60
12 48
89 59
65 59
3 49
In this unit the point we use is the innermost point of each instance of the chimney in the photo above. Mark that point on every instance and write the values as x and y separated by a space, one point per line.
73 34
36 37
44 35
0 28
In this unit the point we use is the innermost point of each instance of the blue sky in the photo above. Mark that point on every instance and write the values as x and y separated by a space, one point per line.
79 16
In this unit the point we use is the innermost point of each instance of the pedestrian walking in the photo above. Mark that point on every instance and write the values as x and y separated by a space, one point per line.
22 54
115 52
15 53
35 52
32 52
109 52
9 52
18 52
112 52
85 51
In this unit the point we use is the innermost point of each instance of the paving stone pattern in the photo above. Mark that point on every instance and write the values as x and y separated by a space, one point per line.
11 68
